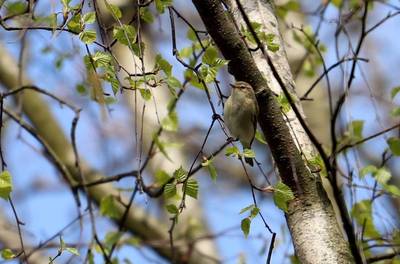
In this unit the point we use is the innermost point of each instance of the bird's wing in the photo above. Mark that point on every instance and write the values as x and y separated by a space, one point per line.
254 122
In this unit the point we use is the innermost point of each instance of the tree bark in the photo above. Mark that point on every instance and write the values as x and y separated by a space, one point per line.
317 238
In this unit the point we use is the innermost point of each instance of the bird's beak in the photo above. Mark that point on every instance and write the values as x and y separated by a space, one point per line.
232 85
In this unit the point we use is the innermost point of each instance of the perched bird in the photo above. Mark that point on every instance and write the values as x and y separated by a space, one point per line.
240 114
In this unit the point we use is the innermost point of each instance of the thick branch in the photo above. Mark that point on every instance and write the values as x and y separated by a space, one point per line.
316 235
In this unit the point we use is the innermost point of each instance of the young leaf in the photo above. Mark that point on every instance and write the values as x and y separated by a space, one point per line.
146 15
382 176
75 23
88 36
7 254
89 18
391 189
114 10
126 35
180 174
210 55
162 177
362 213
161 146
112 238
260 137
254 212
192 188
162 4
172 209
108 207
146 94
248 153
282 195
232 151
245 226
72 250
370 169
395 91
394 145
170 190
163 65
170 122
356 128
5 184
211 169
247 208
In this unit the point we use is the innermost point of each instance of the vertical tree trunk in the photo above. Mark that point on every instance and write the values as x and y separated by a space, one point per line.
315 232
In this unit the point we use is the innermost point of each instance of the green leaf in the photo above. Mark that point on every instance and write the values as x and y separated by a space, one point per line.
75 24
66 3
394 145
192 188
254 212
186 52
81 89
170 122
7 254
274 47
211 169
146 94
260 137
245 226
382 176
370 169
362 213
395 111
164 65
108 207
248 153
16 8
162 177
282 195
72 250
173 82
232 151
112 238
89 18
208 74
395 91
88 36
317 164
161 146
247 208
170 190
180 174
336 3
162 4
210 55
392 189
146 15
284 103
114 10
356 128
172 209
191 35
125 35
101 59
5 184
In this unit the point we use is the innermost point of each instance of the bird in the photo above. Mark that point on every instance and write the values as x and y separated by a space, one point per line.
240 114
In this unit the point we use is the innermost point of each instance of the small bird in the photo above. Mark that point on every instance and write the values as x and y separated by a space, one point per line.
240 114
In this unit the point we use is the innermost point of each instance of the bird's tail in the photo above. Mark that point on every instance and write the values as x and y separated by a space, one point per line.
249 161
